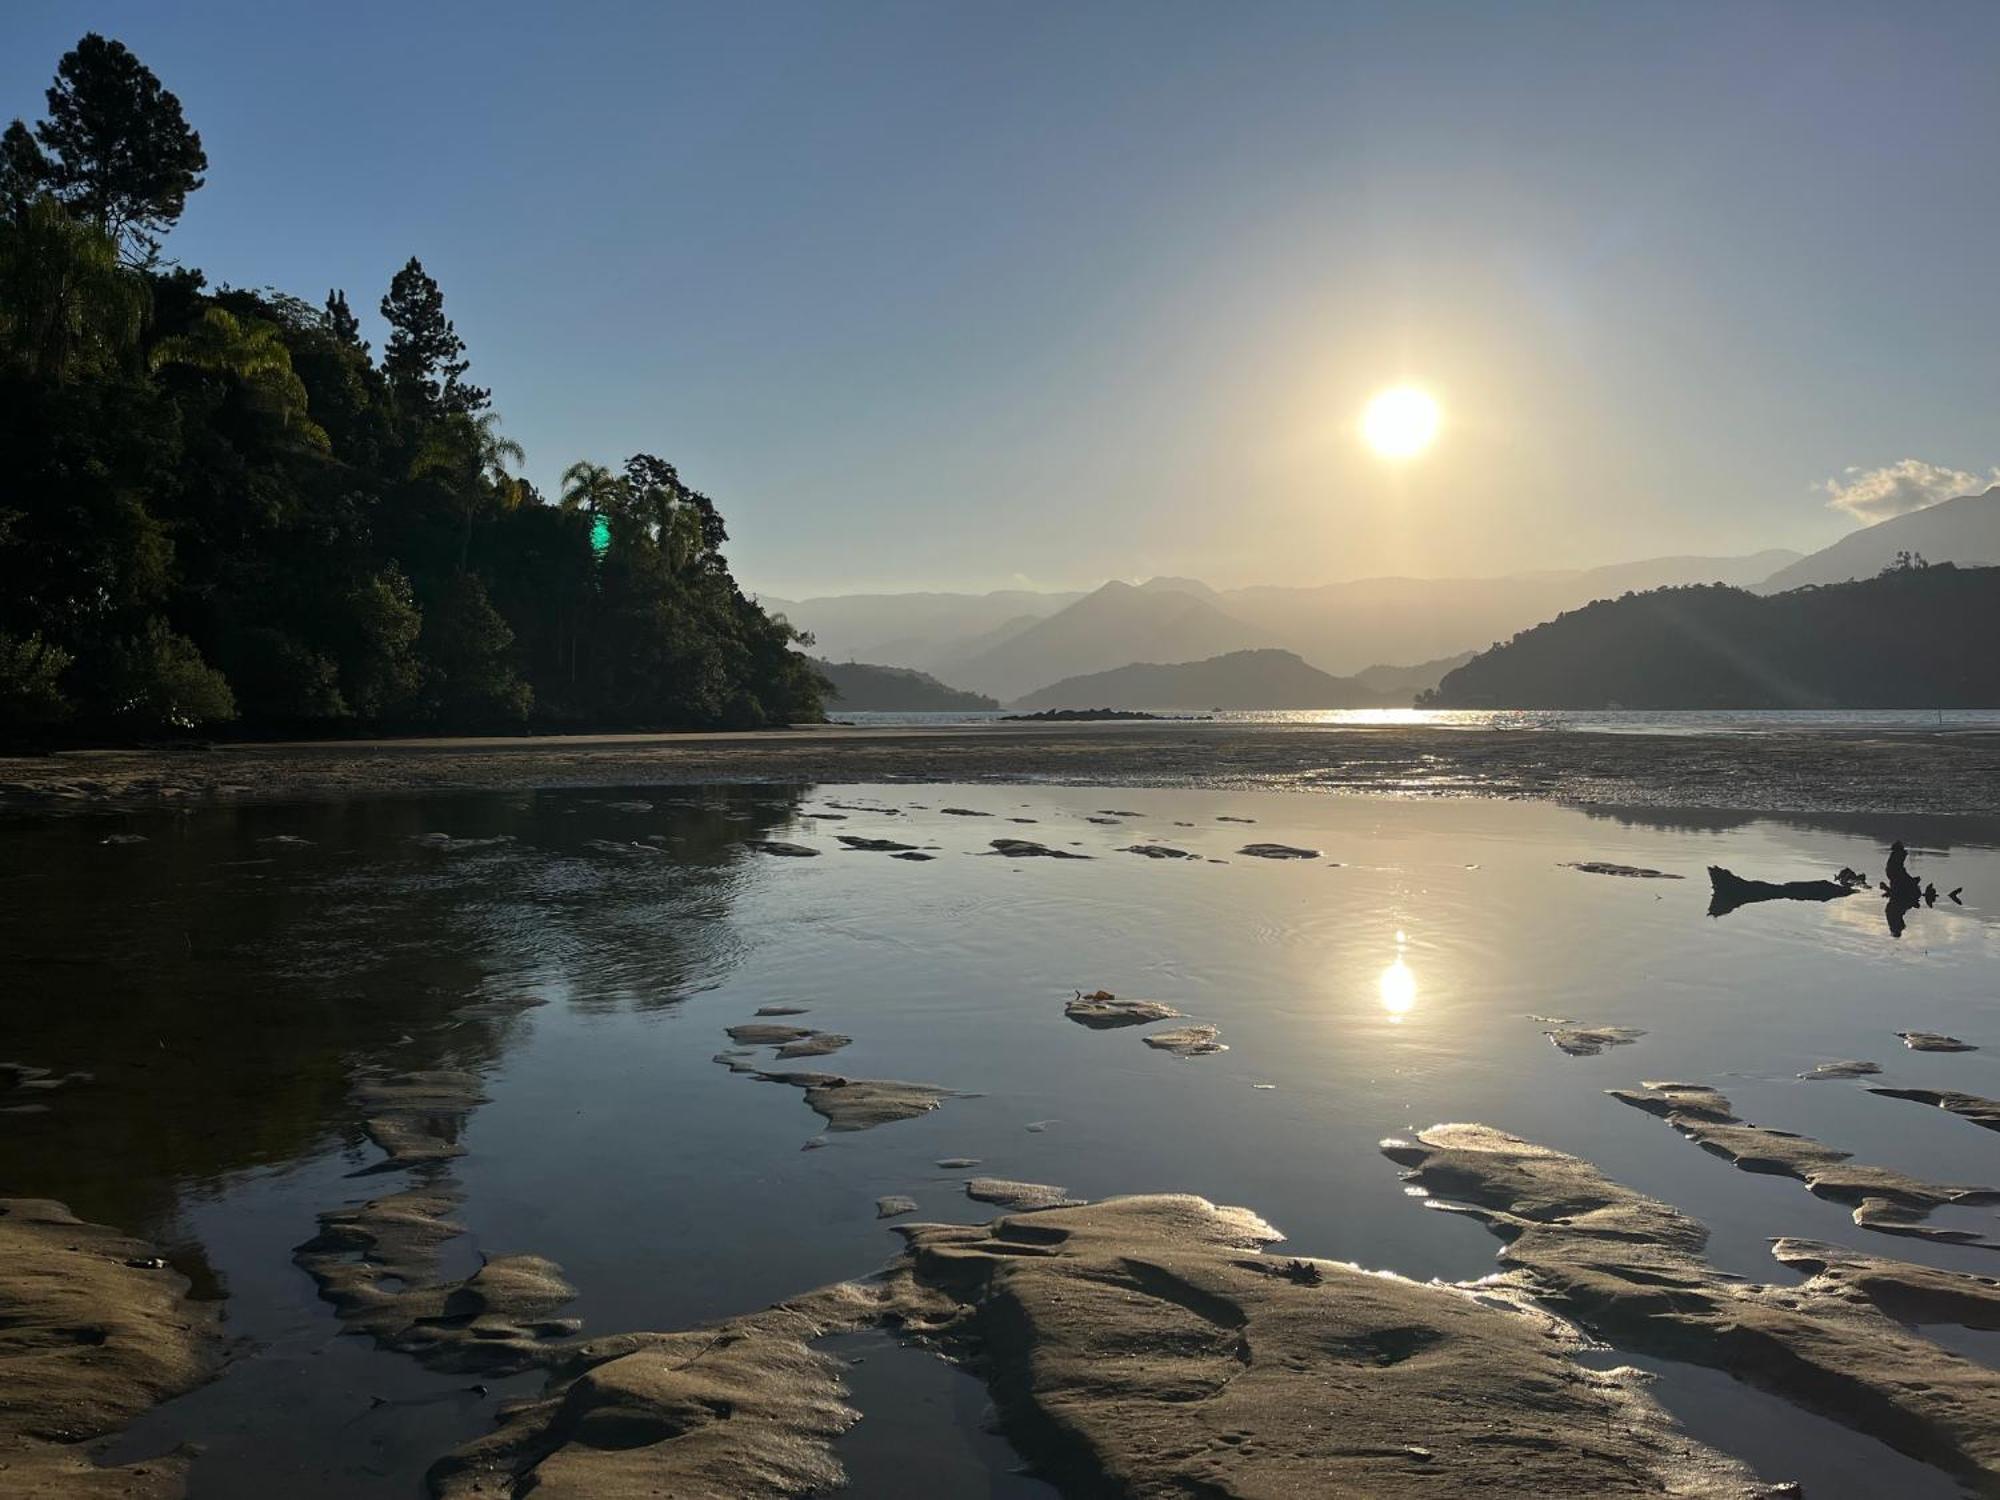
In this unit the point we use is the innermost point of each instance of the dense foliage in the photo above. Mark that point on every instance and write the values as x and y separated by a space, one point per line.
215 506
1918 636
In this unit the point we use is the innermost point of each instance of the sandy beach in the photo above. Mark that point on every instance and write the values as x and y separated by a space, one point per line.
1901 772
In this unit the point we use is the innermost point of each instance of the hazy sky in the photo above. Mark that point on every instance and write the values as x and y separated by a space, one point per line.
975 296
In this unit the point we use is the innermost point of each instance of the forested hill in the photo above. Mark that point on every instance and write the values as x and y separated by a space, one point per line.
1238 679
1916 637
857 685
218 507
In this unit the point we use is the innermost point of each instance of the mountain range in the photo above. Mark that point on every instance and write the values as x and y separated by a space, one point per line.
1394 636
1241 679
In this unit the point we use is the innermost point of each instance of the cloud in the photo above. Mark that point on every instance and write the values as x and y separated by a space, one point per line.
1871 495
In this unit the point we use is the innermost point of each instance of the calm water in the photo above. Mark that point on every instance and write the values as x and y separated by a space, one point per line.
226 989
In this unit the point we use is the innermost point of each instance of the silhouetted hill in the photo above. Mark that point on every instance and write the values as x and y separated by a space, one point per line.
1965 531
1402 684
1240 679
1908 639
859 686
1109 628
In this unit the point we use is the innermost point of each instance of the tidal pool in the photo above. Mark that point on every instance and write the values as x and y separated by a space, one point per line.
232 976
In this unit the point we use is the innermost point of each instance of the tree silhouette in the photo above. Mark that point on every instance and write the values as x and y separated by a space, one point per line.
425 358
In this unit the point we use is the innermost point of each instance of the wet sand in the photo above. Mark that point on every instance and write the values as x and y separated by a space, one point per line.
1946 771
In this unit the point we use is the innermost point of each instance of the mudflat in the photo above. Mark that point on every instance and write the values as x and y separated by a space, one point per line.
1777 770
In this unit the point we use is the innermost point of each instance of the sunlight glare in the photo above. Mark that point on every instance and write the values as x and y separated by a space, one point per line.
1400 423
1399 989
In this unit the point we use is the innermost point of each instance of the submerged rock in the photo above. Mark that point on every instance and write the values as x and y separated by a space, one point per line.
815 1044
1980 1111
1882 1198
1188 1041
1159 851
1024 1196
957 1163
914 854
963 812
780 847
894 1206
765 1033
1628 872
1934 1041
615 846
1590 1041
1846 1068
1029 849
1101 1010
781 1010
94 1329
1631 1269
1278 851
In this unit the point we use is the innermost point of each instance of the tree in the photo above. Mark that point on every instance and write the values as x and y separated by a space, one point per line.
475 459
251 352
24 171
120 152
342 324
67 307
425 358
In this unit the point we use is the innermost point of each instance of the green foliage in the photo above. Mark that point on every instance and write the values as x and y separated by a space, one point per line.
120 154
215 507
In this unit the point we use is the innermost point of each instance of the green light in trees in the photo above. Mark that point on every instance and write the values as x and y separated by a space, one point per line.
600 535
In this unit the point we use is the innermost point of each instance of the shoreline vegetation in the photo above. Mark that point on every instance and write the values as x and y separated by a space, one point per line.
221 508
1857 771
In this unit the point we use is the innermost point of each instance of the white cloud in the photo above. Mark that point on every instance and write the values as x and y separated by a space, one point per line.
1871 495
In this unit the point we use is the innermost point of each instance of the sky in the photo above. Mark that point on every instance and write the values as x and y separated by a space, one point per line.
939 296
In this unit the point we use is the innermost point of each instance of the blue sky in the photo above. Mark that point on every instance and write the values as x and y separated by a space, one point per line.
978 296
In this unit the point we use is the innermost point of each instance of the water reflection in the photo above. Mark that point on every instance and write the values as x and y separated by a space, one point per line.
1397 985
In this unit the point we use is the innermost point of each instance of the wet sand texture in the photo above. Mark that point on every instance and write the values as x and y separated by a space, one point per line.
1022 1196
1631 1269
1101 1010
860 1103
1883 1199
740 1408
1144 1347
87 1342
1591 1041
1188 1041
1845 1068
416 1118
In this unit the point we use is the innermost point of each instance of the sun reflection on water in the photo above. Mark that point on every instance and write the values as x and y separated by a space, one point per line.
1398 985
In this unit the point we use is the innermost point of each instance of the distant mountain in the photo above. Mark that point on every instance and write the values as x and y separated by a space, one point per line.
1013 641
859 686
1965 531
1109 628
912 630
1907 639
1402 684
1239 679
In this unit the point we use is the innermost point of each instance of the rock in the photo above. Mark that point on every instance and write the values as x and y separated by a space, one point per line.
1101 1010
1024 1196
1188 1041
1278 851
894 1206
957 1163
1590 1041
1728 891
1159 851
614 846
1629 872
1848 1068
816 1044
1104 822
874 846
1119 812
1029 849
1145 1347
94 1329
780 847
766 1034
1980 1111
1226 818
963 812
1934 1041
913 854
1882 1198
1631 1270
781 1010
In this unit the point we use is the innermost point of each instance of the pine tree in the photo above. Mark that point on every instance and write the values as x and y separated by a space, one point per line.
425 358
341 322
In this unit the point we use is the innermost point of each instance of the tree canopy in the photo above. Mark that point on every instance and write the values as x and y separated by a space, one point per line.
216 507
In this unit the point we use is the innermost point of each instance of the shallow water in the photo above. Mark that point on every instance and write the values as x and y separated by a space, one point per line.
226 990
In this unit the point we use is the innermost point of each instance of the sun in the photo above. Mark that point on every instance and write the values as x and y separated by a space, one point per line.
1400 423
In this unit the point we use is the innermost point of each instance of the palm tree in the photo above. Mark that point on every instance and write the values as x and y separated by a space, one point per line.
66 303
473 457
251 352
591 488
